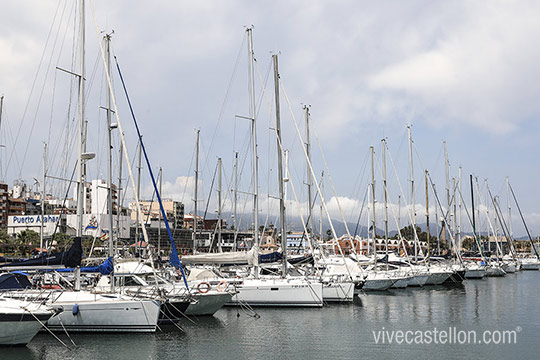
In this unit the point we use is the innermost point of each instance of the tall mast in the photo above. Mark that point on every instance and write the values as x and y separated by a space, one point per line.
280 169
119 205
81 130
428 235
309 180
473 218
159 219
43 198
437 223
447 169
107 39
321 208
460 208
412 193
139 167
235 213
454 229
385 198
399 212
195 200
235 190
219 205
253 146
509 206
373 208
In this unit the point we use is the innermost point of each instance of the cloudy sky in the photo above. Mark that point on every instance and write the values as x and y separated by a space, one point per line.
461 71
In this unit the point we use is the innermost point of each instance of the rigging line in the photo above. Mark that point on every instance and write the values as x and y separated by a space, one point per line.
476 237
11 138
323 202
188 176
65 199
226 99
524 223
210 193
438 160
34 83
40 95
174 259
360 214
55 74
332 184
402 240
402 195
359 180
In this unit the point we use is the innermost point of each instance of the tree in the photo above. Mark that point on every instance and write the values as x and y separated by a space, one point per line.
28 237
4 237
467 243
62 239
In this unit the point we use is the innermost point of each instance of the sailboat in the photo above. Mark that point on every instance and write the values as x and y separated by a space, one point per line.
21 320
82 310
270 290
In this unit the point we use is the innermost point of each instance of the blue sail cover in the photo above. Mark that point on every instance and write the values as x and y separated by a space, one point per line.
69 258
104 269
270 258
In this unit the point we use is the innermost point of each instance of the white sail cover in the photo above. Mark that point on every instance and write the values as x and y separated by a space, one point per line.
234 257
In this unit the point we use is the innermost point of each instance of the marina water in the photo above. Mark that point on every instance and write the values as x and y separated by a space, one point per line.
337 331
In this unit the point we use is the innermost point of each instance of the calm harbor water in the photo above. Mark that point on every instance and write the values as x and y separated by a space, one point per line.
336 331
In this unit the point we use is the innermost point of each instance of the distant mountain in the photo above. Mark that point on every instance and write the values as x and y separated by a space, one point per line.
295 224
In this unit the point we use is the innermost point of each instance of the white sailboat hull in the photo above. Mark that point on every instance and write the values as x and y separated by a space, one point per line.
17 325
475 274
530 264
18 333
378 284
419 280
495 271
437 278
338 291
208 304
279 292
402 283
103 314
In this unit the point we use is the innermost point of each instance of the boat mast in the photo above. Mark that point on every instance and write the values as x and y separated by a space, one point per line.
159 219
412 193
252 100
309 180
437 222
81 129
509 206
321 208
283 227
385 200
107 39
43 198
119 205
373 207
473 218
460 208
447 169
139 167
454 208
219 205
399 212
428 236
196 190
235 214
